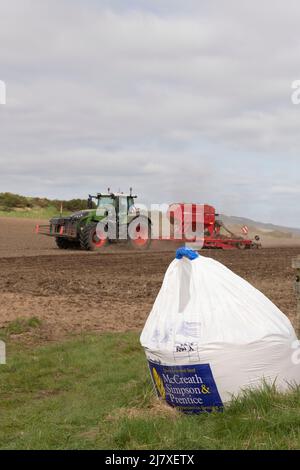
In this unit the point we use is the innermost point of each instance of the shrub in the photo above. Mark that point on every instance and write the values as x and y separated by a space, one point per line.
10 201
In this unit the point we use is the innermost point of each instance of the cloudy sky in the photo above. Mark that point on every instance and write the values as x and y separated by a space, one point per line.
184 101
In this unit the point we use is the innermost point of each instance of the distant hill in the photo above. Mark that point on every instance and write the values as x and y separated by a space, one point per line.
271 235
260 226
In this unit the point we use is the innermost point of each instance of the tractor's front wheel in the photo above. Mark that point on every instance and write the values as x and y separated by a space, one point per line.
91 238
65 244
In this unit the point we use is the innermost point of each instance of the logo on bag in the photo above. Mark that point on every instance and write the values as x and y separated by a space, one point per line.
185 347
159 383
190 388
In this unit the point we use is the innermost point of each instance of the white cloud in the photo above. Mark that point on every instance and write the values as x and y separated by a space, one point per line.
162 98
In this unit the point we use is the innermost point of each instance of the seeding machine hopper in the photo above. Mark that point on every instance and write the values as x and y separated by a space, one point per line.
185 217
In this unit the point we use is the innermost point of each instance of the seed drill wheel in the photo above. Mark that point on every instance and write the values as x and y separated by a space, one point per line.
93 238
241 246
139 231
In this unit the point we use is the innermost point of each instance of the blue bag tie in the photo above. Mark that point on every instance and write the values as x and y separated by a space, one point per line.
187 253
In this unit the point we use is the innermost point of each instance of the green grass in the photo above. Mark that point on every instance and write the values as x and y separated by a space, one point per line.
34 213
19 326
94 392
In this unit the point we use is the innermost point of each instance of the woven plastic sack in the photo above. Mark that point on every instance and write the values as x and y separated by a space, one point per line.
211 334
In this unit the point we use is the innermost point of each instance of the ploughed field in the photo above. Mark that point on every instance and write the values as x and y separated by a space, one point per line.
73 291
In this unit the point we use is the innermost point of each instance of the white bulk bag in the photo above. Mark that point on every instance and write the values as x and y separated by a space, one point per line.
211 334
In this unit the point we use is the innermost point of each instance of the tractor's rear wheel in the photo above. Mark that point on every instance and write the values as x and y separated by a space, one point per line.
140 234
65 244
93 238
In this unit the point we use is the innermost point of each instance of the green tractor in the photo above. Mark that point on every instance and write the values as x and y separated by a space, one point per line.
113 219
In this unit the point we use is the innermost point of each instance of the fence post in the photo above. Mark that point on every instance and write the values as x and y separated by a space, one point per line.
2 352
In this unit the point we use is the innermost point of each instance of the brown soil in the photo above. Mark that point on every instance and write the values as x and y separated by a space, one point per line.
113 290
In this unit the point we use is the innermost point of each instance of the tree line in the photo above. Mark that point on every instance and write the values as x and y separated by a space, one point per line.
11 201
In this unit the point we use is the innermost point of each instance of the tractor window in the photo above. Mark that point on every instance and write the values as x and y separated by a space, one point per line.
123 207
106 201
130 202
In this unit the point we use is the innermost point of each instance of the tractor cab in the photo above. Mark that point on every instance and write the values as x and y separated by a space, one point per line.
121 203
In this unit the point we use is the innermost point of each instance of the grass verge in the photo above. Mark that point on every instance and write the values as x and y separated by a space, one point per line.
34 213
19 326
94 392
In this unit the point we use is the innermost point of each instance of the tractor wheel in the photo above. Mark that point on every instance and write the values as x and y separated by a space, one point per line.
139 231
65 244
91 239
